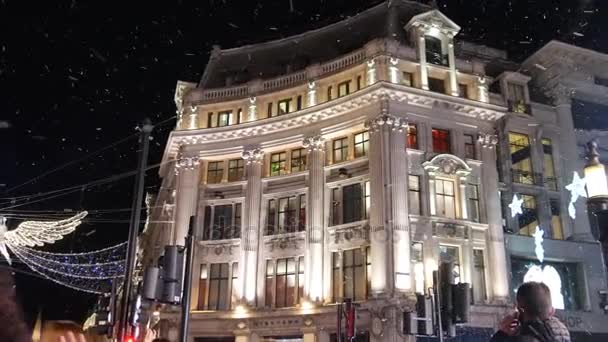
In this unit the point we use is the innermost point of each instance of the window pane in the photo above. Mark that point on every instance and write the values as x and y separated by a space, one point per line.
361 144
272 212
479 279
352 196
412 136
414 194
336 281
528 220
469 146
340 150
441 140
473 195
556 222
521 162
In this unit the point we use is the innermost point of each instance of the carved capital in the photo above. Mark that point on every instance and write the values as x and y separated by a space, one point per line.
487 140
315 143
186 163
253 156
312 85
388 120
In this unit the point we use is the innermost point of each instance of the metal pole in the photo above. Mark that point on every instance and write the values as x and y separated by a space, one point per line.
190 243
138 193
436 286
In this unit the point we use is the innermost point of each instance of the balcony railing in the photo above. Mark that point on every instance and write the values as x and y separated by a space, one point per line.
436 58
519 107
526 177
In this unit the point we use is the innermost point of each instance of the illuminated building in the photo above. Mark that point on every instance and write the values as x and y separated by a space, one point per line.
331 164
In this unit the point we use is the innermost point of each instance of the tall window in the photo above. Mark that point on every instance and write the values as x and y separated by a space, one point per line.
479 277
218 287
269 282
209 119
469 146
344 88
451 254
239 116
434 52
528 220
235 283
516 92
298 160
285 291
412 136
222 222
549 168
329 91
521 161
463 90
441 140
236 169
353 281
350 203
299 102
473 195
359 82
300 279
361 144
437 85
283 106
445 198
278 163
223 118
215 172
407 79
269 110
340 149
556 221
286 215
414 194
202 288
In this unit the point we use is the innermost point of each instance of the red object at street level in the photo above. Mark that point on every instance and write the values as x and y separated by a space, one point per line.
129 339
349 309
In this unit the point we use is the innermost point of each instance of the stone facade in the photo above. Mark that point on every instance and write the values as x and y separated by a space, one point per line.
356 177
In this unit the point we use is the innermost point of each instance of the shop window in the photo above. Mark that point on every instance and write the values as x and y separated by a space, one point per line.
215 172
361 144
441 140
414 194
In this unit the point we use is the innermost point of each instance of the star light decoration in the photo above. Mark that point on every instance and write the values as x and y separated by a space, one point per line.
516 205
89 272
577 189
538 244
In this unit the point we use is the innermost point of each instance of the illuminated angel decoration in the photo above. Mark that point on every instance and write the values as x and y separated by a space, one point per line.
90 271
36 233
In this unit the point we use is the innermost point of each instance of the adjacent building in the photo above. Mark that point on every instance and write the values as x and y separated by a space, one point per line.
349 161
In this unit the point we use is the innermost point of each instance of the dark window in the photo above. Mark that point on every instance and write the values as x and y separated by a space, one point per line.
239 116
284 106
270 109
285 295
210 119
549 168
445 198
556 220
437 85
286 215
441 140
469 146
414 194
407 79
299 102
344 88
473 196
367 198
329 91
352 196
223 118
298 160
516 92
361 144
340 150
359 82
412 136
278 163
236 169
215 172
222 222
336 204
463 90
218 287
479 277
202 288
434 52
234 285
600 81
300 279
353 269
269 282
451 254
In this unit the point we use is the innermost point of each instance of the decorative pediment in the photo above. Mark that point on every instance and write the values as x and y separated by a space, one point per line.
447 164
433 19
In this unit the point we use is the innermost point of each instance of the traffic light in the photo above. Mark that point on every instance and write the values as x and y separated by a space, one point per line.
454 299
163 283
105 311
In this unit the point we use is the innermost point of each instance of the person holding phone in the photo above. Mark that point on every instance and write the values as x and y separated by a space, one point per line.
533 319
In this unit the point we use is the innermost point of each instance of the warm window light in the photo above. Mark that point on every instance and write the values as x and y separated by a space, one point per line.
595 174
240 309
306 305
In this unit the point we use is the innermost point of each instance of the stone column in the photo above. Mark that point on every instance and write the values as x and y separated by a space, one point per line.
252 114
250 232
315 218
497 263
187 170
389 221
424 75
312 94
452 64
562 97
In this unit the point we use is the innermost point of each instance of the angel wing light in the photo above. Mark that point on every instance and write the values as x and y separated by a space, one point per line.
36 233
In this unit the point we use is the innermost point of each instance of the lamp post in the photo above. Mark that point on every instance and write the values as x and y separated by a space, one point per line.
597 195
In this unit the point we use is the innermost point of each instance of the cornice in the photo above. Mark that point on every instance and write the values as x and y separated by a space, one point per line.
295 121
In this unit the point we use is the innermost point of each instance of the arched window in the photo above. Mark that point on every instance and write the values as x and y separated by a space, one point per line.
434 51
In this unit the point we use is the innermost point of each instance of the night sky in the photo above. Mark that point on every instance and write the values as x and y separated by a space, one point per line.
77 77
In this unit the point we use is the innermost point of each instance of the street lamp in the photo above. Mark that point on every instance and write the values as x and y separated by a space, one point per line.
597 191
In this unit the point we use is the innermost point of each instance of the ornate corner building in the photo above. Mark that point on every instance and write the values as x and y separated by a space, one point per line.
334 165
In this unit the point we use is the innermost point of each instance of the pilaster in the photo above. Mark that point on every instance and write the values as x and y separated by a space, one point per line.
312 94
252 114
315 218
499 283
372 76
250 232
187 169
424 76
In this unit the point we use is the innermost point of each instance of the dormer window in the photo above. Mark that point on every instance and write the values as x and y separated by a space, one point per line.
434 51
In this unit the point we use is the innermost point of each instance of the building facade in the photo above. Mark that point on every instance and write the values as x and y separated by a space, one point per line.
334 165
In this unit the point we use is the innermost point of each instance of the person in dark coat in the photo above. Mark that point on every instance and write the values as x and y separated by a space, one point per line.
534 319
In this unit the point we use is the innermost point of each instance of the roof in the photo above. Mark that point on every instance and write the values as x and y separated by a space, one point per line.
278 57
